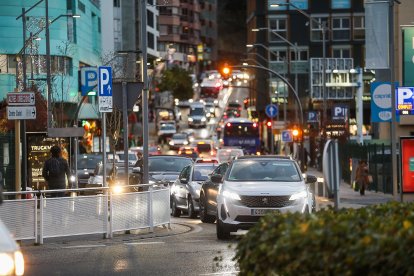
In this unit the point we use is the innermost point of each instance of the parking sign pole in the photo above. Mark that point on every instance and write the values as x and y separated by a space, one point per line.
104 184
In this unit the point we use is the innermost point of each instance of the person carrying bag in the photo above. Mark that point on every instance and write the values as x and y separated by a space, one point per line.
362 176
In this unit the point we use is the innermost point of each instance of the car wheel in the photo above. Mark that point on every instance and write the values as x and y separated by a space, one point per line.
222 234
174 210
191 213
204 217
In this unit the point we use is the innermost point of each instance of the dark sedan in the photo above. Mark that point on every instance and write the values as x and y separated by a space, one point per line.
163 170
208 194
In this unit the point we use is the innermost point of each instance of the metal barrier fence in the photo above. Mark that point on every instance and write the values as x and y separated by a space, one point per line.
106 213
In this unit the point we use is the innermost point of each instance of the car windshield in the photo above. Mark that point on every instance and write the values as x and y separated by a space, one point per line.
131 156
264 170
167 127
196 111
203 147
167 164
201 173
88 163
179 136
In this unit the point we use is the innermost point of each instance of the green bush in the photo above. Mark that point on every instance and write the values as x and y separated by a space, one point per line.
376 240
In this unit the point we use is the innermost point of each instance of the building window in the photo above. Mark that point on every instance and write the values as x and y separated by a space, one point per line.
278 25
163 30
341 29
68 4
316 28
341 51
359 27
303 54
99 25
150 19
81 6
151 41
278 55
117 3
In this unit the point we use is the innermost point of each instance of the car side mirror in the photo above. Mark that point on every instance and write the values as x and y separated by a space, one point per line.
184 180
216 178
136 170
311 179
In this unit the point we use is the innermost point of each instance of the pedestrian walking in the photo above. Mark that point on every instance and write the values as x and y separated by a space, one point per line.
361 176
56 171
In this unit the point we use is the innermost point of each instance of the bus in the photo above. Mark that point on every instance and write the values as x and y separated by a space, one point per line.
242 133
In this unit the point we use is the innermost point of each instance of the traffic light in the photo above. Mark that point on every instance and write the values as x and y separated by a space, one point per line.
269 124
225 71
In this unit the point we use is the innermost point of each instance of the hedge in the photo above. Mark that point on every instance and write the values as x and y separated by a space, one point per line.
376 240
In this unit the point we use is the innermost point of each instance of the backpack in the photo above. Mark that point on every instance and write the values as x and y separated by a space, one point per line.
54 167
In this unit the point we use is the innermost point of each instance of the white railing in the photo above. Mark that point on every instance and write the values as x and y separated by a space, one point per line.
103 213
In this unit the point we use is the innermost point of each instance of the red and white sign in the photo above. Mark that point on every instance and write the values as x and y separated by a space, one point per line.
21 98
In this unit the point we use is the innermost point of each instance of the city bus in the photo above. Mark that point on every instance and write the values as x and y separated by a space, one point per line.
242 133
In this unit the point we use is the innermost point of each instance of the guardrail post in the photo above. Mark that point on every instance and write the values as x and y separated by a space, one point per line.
35 220
109 198
150 210
41 219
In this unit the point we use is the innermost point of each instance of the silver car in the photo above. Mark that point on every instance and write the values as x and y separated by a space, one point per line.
185 191
256 185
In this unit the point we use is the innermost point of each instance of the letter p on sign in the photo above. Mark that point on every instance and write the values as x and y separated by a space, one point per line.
105 81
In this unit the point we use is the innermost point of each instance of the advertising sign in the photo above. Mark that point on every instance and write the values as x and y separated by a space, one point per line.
408 56
341 4
407 164
381 110
38 151
405 101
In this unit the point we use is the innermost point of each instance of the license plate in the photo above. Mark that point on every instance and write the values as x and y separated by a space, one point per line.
260 212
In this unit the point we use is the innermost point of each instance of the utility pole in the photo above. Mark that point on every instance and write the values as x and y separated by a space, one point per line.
145 130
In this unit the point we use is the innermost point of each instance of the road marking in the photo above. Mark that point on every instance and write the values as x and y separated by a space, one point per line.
221 273
86 246
143 243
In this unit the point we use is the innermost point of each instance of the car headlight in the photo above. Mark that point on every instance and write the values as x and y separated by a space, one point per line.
203 119
185 142
171 143
11 263
190 119
151 182
117 189
231 195
72 178
299 195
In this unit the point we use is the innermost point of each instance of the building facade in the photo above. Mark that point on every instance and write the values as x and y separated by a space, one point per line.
74 42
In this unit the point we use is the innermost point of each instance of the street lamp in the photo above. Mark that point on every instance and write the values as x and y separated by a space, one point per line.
323 27
294 46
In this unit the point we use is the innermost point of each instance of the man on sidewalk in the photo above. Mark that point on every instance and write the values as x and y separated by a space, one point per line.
55 170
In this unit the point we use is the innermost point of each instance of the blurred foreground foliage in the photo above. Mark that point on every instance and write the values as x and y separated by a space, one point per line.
376 240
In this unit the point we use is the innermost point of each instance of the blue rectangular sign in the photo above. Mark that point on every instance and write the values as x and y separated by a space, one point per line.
340 112
89 79
405 100
381 109
105 81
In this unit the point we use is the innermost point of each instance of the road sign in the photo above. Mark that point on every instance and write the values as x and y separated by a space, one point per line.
21 98
105 88
271 110
89 80
278 125
312 117
21 112
287 136
340 112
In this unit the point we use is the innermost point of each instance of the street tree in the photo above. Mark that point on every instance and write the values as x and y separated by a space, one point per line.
178 81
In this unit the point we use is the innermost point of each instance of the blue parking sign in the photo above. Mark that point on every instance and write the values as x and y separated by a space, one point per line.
105 89
89 79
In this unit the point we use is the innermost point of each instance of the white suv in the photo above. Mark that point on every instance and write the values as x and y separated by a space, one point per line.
256 185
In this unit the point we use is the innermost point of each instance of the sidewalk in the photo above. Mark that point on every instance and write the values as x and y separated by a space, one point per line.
348 198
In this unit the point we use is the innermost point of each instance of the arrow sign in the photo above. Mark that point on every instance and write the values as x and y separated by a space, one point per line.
105 89
21 98
21 112
287 136
271 110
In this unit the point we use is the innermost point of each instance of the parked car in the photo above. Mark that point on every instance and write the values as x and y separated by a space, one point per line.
208 194
11 258
185 191
178 140
256 185
163 170
86 165
115 177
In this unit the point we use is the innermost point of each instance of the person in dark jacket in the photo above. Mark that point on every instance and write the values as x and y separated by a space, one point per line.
56 171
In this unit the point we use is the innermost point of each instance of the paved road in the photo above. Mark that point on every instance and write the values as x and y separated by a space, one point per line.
191 252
